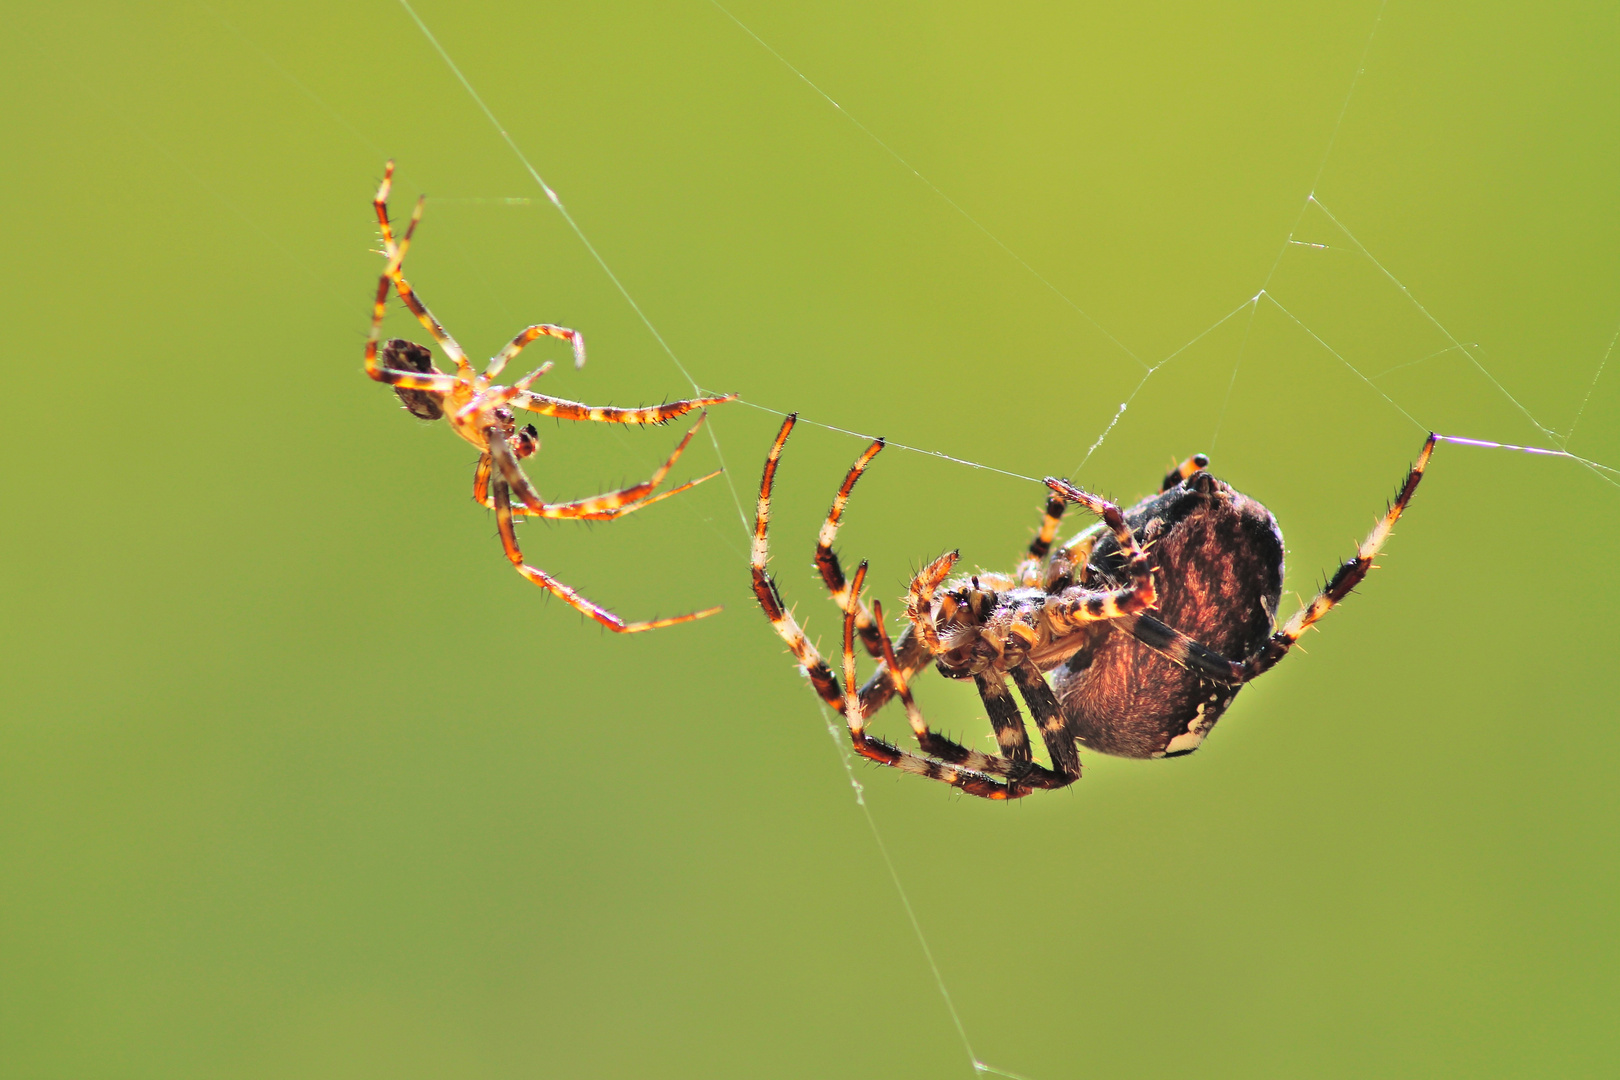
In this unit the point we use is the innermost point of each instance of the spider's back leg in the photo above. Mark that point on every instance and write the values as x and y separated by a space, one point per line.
1346 578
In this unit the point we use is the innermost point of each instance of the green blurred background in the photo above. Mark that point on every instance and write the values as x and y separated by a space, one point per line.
298 779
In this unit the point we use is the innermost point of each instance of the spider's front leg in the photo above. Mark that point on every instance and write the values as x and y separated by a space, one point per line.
987 776
1073 607
395 253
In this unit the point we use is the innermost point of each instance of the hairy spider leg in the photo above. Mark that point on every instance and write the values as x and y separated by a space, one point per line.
1028 572
1346 578
1049 719
832 573
502 358
481 496
408 380
968 772
569 596
396 274
605 507
1075 606
610 414
770 598
939 746
879 688
1195 464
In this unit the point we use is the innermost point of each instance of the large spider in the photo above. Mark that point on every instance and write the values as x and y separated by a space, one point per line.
1145 653
480 413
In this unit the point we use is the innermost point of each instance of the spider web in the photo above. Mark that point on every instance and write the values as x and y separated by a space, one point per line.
1317 232
1321 246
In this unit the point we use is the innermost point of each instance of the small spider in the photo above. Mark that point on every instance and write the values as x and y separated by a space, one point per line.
1138 648
481 413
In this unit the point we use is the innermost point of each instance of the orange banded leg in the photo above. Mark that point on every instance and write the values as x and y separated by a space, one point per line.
770 598
1076 606
848 703
605 507
570 596
1195 464
481 495
504 357
910 657
618 503
1029 571
878 689
396 258
611 414
507 464
403 380
832 573
1346 578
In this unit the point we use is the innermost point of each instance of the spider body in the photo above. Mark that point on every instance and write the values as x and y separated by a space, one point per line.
477 409
480 411
1219 560
1147 626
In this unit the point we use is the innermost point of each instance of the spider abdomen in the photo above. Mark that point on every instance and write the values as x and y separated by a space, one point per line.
1218 568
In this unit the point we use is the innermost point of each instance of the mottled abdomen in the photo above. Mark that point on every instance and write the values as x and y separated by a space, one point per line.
1218 561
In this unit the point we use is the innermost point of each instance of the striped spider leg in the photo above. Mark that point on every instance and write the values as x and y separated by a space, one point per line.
988 776
481 412
1130 639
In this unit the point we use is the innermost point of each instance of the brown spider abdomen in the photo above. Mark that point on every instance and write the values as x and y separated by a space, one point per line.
402 355
1218 566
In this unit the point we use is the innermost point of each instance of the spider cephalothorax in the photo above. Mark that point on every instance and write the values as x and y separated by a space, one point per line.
480 411
1148 623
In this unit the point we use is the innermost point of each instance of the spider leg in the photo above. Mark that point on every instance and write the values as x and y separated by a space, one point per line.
1005 719
513 473
609 414
613 504
1076 606
573 337
404 380
962 768
396 258
1182 650
827 560
1029 571
570 596
1054 726
770 598
1346 578
1196 463
481 481
968 770
920 600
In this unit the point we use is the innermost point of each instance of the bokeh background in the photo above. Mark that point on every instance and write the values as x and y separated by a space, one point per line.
298 779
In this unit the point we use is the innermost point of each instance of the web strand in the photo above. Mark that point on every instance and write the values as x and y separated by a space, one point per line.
1596 375
1149 369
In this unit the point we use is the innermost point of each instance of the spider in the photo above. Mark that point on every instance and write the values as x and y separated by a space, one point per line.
1146 653
481 413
